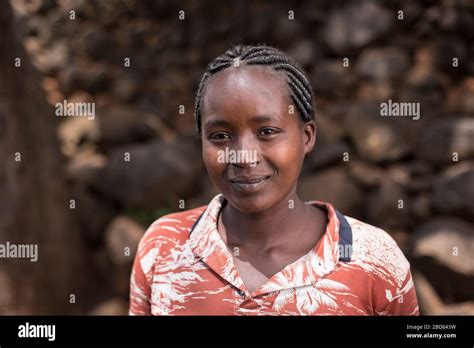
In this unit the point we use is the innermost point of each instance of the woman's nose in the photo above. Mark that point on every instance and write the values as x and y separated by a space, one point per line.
247 152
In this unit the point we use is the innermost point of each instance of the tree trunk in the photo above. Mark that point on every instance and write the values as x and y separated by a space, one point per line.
34 204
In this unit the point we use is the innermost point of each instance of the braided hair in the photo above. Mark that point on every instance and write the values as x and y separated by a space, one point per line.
299 86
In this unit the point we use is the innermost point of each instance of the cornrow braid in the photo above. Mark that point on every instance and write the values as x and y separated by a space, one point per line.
299 86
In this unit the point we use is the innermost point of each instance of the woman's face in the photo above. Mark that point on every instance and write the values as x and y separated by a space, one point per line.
253 140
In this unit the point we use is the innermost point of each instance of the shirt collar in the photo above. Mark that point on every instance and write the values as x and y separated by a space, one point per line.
334 246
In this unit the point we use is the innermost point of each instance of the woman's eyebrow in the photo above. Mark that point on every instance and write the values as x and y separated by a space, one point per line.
217 122
261 119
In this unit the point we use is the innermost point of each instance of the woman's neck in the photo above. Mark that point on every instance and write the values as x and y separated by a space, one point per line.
271 229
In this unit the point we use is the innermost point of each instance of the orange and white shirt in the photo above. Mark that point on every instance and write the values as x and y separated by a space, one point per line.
183 267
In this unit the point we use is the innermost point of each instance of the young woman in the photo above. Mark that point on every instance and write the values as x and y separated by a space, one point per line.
257 248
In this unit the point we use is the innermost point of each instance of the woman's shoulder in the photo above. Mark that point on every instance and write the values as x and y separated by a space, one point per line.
384 265
373 248
170 229
181 221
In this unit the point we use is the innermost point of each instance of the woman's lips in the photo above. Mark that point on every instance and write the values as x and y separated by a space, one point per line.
249 184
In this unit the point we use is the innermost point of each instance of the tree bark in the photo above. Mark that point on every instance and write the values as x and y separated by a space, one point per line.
34 203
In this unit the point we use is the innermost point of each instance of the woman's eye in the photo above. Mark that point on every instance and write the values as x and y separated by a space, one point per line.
268 131
219 136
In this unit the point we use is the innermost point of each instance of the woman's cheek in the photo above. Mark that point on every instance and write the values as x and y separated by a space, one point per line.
284 157
214 164
292 167
210 156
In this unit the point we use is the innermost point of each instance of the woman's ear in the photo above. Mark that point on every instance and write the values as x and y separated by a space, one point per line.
309 136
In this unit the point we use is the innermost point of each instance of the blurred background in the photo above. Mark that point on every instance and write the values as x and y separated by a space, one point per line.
84 190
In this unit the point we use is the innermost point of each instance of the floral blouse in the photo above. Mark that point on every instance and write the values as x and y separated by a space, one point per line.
183 267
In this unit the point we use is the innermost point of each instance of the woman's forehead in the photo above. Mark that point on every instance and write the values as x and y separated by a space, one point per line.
249 83
245 74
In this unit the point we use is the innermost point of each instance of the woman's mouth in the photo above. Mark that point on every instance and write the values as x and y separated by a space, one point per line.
249 184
